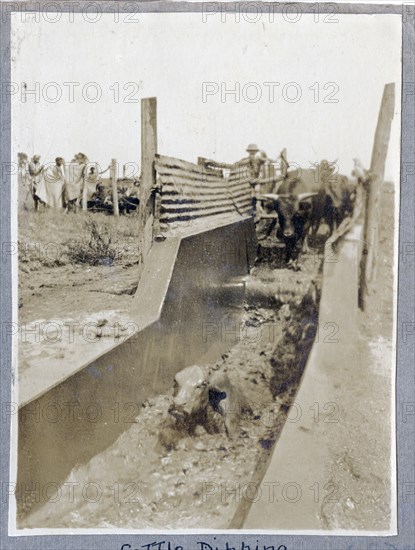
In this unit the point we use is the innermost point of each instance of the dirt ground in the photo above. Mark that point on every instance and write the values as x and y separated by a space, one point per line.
54 283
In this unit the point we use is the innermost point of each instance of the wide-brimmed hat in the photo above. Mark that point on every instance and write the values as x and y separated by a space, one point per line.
252 147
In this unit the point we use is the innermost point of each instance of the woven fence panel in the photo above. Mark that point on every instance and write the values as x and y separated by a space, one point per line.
190 191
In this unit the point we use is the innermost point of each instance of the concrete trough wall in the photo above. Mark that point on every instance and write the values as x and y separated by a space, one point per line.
302 452
179 309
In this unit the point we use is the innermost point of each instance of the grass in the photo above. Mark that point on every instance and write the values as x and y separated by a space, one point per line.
51 237
94 249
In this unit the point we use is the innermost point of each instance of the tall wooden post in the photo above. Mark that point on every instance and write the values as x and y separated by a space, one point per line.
148 174
284 163
377 170
114 186
84 190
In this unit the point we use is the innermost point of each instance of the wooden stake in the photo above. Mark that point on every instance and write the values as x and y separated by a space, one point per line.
85 191
377 170
114 187
148 174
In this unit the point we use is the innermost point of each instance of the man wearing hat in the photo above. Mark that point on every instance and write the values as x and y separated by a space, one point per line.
251 164
255 160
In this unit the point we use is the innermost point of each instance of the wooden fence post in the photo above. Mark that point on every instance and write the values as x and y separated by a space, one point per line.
148 174
377 174
284 164
114 186
85 191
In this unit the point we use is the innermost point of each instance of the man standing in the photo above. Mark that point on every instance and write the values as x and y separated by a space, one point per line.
59 166
35 170
74 182
243 178
23 166
249 166
51 186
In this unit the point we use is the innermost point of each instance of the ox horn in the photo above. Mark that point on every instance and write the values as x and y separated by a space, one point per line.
304 196
273 196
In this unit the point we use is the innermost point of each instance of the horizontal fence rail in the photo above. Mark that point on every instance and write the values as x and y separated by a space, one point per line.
190 191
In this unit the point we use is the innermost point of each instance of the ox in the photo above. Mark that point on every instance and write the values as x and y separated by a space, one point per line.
202 397
304 201
334 198
293 207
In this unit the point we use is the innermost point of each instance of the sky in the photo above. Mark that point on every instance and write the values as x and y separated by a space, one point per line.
327 81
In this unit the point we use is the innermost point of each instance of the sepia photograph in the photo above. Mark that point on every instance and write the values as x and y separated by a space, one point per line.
205 215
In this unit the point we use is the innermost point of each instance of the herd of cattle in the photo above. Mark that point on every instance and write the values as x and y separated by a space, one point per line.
301 204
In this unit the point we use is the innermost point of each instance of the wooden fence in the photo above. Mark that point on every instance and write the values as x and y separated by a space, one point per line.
190 192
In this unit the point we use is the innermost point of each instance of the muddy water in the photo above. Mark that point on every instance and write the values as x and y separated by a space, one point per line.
152 477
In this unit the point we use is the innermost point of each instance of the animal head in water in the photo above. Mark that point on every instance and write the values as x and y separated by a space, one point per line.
191 393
